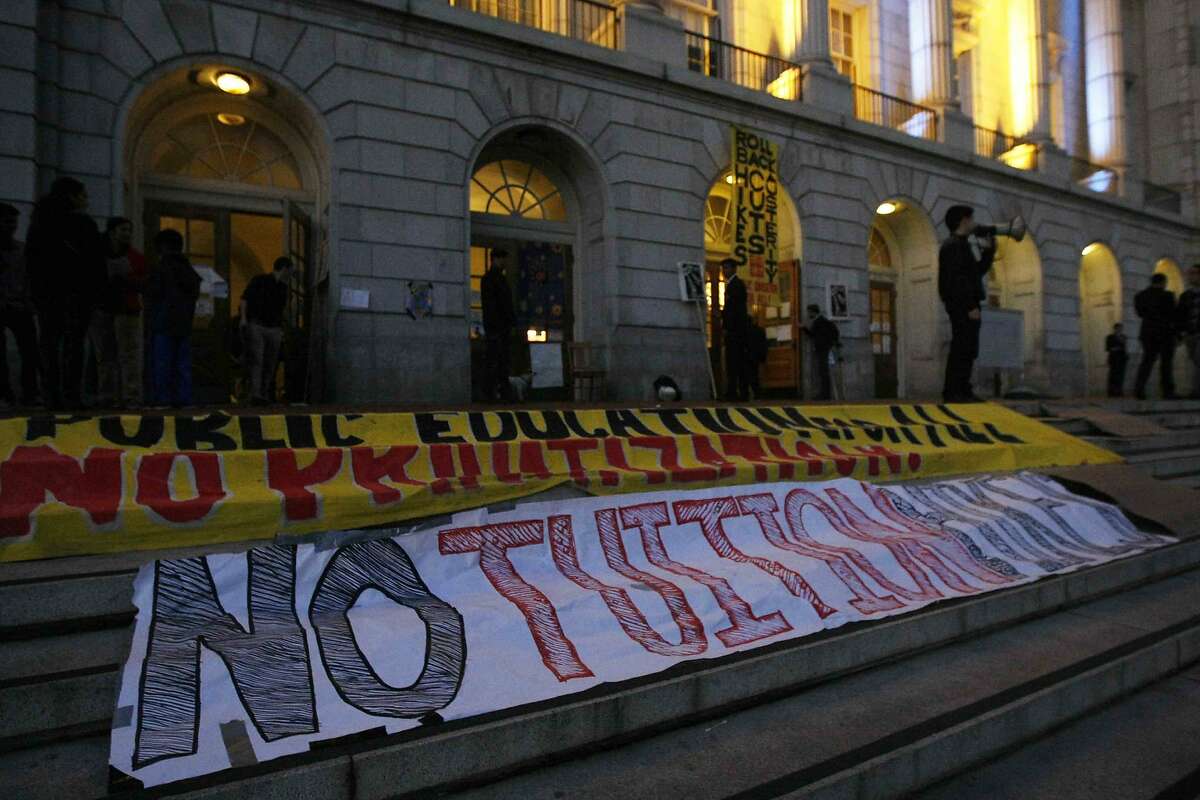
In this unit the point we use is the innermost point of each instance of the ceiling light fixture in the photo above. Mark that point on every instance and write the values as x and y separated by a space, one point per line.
232 83
1091 248
232 120
887 208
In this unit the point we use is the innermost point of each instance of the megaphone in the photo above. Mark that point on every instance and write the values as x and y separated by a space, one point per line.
1014 230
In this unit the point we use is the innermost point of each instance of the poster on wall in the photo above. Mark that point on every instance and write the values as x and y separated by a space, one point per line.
242 658
837 300
691 282
756 215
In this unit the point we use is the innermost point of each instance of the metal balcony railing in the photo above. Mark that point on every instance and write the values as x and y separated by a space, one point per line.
583 20
1162 198
1004 147
888 111
757 71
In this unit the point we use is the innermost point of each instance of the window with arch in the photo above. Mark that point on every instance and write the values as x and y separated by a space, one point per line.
516 189
226 147
878 254
718 222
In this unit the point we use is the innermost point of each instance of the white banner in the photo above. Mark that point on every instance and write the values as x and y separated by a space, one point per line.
238 659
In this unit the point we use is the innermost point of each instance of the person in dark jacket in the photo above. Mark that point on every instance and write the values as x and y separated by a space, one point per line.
64 253
1118 357
825 337
1156 306
171 294
16 311
962 266
499 320
735 321
1187 322
262 311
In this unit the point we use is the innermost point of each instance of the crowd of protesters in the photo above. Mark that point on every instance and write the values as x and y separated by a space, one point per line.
69 291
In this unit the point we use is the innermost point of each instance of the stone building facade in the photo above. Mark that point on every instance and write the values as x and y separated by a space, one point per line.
372 135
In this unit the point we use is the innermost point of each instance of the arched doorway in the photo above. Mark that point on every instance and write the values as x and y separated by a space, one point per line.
1100 307
533 197
1175 284
782 375
237 175
902 260
1015 283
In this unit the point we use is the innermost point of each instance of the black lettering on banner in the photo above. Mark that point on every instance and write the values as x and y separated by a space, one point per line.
383 565
726 419
252 434
191 432
705 417
268 664
622 421
433 429
482 432
754 420
572 420
149 431
554 428
1007 438
669 417
801 429
333 436
42 426
300 431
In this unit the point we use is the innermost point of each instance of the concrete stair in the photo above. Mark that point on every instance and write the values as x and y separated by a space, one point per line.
877 709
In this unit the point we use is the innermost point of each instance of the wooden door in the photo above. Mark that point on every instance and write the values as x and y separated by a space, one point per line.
883 339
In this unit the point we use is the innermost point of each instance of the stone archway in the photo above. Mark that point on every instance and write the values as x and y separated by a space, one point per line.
537 192
906 278
1015 283
1100 307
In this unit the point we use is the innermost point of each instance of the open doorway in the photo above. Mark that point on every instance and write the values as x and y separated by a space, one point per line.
228 249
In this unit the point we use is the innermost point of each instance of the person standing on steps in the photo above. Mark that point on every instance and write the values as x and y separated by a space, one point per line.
735 321
499 320
963 263
263 304
16 311
826 338
1118 357
1187 321
171 295
1156 306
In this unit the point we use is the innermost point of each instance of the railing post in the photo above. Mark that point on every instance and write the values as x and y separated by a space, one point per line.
647 31
1054 162
956 129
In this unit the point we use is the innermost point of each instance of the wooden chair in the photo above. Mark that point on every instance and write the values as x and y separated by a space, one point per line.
585 375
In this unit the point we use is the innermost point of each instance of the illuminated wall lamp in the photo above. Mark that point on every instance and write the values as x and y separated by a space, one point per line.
232 83
232 120
1091 248
533 335
887 208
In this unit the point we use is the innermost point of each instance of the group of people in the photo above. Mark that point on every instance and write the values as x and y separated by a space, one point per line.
1166 323
69 288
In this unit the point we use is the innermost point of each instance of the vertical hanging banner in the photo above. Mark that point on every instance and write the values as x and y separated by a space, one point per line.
755 214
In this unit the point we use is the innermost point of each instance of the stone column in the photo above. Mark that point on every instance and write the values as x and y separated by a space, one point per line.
812 38
1041 70
647 31
823 86
931 42
1104 83
931 36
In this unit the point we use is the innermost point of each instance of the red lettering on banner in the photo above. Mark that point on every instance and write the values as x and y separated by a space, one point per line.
668 458
154 486
492 542
707 454
934 540
711 513
614 451
793 511
287 477
744 626
370 469
443 461
750 448
839 559
93 485
628 616
572 450
531 458
777 450
842 463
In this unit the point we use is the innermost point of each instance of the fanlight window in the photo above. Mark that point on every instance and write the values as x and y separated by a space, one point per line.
203 147
878 254
718 223
516 189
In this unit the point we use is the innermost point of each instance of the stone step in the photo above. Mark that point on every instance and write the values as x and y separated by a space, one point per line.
1148 444
891 730
24 659
1145 746
428 759
61 604
1189 480
1169 463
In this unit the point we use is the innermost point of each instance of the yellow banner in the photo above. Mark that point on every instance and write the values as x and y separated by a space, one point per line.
756 215
75 485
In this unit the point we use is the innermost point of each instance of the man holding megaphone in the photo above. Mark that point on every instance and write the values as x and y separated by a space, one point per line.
963 262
